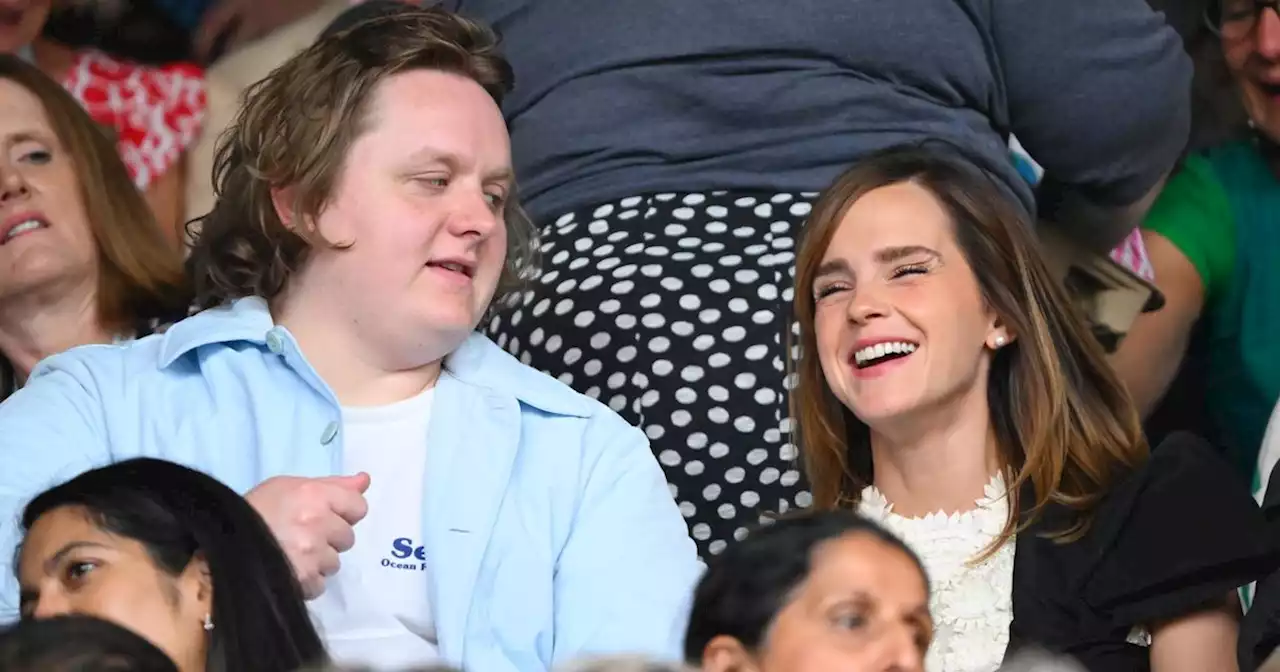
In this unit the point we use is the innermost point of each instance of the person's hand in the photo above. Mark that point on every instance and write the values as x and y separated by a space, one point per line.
228 24
312 519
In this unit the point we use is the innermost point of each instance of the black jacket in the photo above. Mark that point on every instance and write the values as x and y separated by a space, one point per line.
1176 535
1260 630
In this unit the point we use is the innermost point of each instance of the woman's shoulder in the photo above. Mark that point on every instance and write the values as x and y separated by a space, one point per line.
1178 532
156 111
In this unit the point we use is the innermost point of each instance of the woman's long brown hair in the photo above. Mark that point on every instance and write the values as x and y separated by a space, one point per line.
140 275
1062 420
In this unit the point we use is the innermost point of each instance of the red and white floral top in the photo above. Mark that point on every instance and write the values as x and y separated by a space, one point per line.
157 112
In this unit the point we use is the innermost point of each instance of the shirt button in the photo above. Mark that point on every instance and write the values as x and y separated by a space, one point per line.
330 431
274 343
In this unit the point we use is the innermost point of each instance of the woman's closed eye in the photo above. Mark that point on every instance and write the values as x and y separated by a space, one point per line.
823 291
908 270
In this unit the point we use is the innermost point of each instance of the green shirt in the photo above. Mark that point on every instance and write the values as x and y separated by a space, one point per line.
1194 213
1222 210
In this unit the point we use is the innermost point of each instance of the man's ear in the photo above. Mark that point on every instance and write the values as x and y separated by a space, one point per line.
283 200
726 654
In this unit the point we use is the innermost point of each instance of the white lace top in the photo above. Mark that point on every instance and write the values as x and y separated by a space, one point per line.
972 605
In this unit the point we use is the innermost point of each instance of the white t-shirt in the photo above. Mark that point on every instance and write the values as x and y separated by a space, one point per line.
376 611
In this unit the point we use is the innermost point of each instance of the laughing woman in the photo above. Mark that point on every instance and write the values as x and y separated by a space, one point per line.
973 414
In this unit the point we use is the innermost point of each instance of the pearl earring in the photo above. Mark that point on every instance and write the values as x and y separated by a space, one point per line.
999 341
208 622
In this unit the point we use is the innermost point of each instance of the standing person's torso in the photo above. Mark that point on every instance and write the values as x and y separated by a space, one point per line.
615 99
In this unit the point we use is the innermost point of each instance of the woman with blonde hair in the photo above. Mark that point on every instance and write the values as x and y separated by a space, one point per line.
947 388
82 259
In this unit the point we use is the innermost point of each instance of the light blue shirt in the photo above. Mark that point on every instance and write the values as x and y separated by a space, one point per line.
551 528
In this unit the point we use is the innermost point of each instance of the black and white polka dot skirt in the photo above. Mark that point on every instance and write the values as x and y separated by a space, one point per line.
672 309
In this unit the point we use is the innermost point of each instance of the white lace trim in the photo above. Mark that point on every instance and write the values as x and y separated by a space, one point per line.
972 605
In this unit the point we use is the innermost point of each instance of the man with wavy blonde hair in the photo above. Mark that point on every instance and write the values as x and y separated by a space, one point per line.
439 500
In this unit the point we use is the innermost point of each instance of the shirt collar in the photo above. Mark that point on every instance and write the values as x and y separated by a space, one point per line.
478 361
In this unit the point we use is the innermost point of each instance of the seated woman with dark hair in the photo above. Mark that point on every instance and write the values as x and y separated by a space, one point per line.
175 556
829 591
78 644
82 259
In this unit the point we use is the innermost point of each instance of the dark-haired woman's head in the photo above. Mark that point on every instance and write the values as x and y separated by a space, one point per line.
827 591
175 556
78 644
